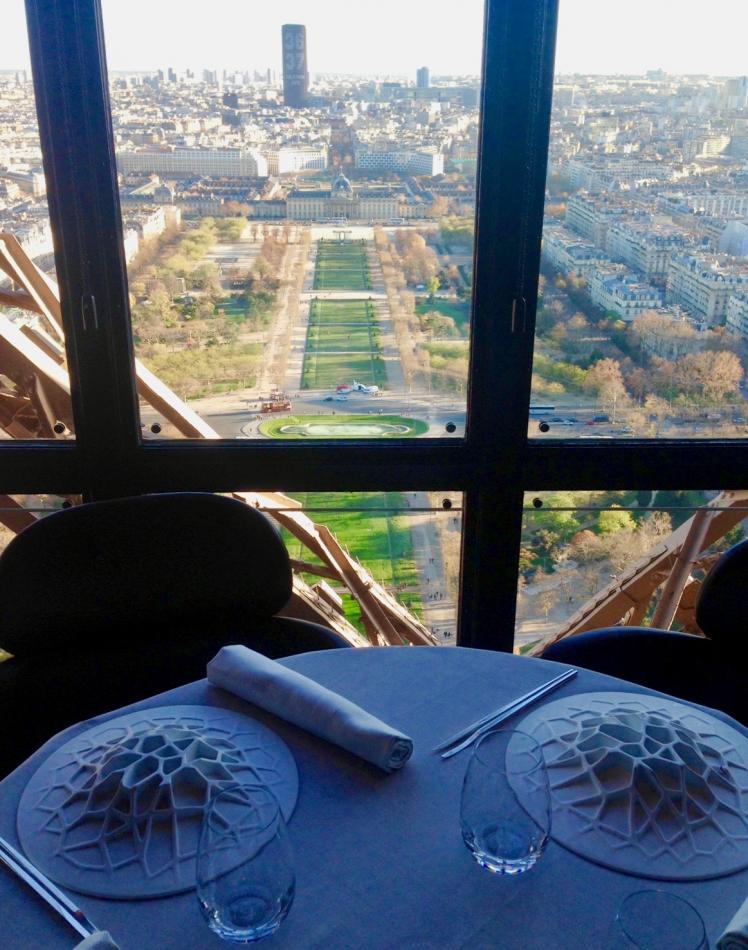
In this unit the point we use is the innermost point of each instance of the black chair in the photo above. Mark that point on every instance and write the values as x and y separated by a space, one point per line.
712 670
108 603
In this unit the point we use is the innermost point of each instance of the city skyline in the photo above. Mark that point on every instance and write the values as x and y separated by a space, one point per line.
594 38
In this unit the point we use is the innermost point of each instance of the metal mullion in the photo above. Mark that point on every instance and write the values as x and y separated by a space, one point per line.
40 468
639 464
517 91
306 466
66 44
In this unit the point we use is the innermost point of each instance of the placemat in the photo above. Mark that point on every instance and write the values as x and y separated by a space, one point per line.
644 785
116 811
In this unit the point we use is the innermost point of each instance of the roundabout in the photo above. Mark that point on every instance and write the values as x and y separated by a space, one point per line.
343 427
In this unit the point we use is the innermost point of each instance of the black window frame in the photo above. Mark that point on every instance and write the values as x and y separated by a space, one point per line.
493 465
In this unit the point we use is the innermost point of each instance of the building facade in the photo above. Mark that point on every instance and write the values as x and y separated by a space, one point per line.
704 285
295 71
405 161
182 162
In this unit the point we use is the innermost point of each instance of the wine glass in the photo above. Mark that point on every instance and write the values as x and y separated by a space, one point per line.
658 920
245 875
505 811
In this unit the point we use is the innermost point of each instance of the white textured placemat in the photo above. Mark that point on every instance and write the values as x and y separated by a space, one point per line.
116 811
645 785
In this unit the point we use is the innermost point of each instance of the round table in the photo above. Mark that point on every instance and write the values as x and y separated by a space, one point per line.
380 861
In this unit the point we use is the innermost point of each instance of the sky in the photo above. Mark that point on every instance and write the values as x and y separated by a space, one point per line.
395 37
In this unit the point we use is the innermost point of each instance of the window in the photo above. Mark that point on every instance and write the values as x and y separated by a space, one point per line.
299 224
35 398
489 459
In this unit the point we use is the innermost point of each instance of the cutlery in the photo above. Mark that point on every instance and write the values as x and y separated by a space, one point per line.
69 911
500 715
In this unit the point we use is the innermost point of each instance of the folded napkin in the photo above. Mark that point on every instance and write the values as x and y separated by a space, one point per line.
736 935
99 940
308 705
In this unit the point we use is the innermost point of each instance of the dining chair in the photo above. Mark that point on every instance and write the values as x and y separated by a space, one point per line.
711 670
110 602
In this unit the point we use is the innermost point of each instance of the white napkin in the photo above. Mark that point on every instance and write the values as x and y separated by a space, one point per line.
99 940
308 705
736 935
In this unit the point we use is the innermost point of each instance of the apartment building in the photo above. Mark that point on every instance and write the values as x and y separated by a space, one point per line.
644 247
566 253
737 313
591 216
216 162
622 292
704 284
406 161
288 161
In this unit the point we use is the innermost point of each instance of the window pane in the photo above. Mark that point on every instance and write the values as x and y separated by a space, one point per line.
389 573
34 383
642 322
598 559
298 208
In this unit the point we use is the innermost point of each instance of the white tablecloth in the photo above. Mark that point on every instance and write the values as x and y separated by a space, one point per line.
380 861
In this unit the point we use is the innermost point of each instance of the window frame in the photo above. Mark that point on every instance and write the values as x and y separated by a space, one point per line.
493 465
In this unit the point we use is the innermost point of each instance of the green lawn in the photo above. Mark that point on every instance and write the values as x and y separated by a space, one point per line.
377 537
272 427
356 337
327 370
342 343
459 312
341 311
341 266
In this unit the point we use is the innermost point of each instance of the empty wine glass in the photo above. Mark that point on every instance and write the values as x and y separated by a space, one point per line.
505 812
658 920
245 875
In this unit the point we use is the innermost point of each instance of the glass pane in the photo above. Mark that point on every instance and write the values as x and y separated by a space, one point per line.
34 383
599 559
392 575
298 209
643 316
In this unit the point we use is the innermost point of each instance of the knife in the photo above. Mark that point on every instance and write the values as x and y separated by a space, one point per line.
69 911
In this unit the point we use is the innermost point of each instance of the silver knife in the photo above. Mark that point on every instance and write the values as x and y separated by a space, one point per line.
69 911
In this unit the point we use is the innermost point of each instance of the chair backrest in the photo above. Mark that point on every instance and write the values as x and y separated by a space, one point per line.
722 609
135 566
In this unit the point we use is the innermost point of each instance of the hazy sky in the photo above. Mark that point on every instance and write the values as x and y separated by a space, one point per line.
397 36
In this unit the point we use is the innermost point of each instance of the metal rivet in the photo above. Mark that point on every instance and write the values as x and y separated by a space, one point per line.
446 504
67 504
537 503
155 428
544 427
450 427
59 428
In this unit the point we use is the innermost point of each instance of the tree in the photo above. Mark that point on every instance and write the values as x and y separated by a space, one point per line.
712 374
439 207
614 519
432 285
606 380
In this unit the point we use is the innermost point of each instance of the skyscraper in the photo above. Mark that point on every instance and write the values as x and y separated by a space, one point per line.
423 80
295 74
